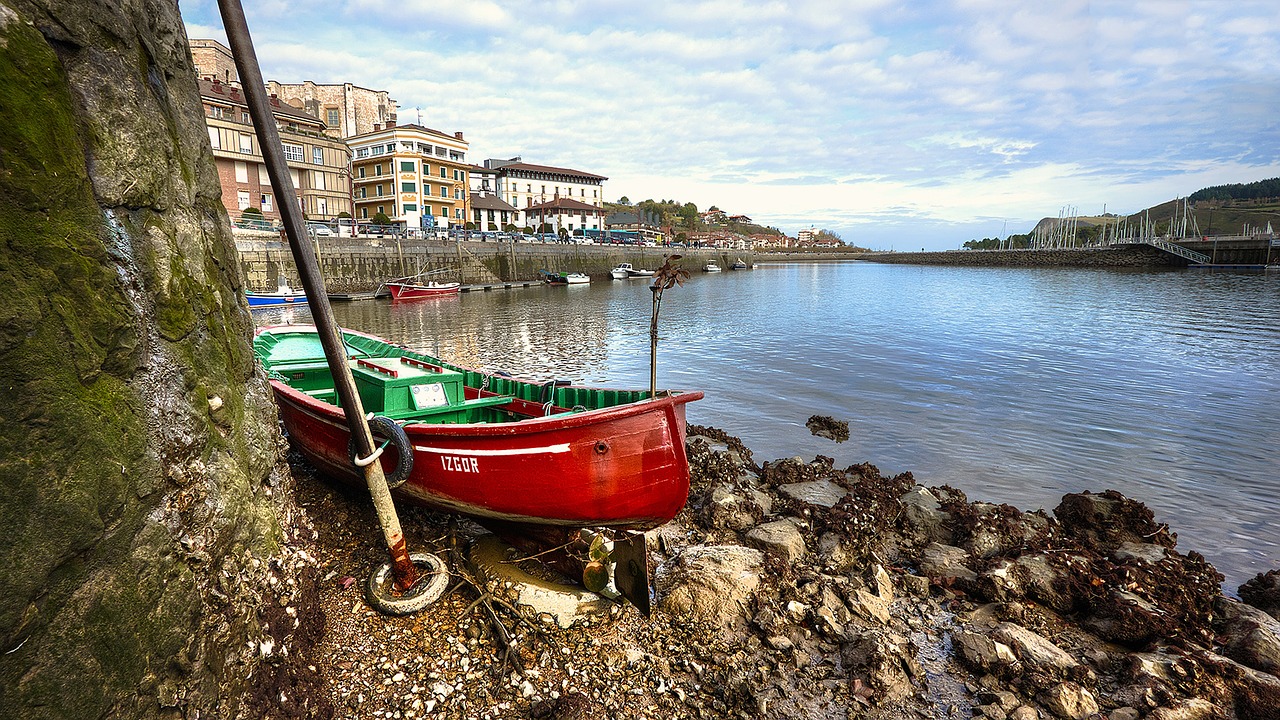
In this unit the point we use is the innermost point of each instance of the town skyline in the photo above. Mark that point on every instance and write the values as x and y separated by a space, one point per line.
910 126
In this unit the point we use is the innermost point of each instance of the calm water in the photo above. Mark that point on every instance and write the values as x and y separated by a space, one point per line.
1014 385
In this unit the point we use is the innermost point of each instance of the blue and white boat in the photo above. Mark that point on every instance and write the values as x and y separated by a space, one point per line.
284 295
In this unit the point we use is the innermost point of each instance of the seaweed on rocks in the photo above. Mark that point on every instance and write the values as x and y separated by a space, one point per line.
828 427
1263 592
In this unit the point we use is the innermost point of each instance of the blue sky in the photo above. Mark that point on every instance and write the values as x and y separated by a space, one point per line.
897 124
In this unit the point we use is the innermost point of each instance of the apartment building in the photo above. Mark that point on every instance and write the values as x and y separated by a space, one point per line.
213 60
535 189
416 176
317 162
348 110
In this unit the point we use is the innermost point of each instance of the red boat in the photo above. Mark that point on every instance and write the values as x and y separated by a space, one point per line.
489 446
410 291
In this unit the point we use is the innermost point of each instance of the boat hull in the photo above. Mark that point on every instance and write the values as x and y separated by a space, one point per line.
623 466
405 291
263 300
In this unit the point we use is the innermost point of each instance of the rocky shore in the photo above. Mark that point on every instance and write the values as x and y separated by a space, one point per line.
789 589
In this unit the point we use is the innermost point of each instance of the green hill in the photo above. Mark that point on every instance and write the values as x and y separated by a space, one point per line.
1220 210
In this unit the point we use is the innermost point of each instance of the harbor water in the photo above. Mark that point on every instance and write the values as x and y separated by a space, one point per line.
1014 385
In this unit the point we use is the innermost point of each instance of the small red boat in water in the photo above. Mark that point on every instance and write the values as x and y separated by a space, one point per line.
489 446
410 291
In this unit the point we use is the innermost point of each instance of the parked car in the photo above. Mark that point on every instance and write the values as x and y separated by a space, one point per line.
319 230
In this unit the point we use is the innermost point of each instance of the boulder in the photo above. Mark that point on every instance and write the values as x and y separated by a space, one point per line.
981 652
1252 637
711 582
726 509
823 493
1263 592
1145 552
1189 709
946 562
1034 649
1069 701
780 538
885 661
922 513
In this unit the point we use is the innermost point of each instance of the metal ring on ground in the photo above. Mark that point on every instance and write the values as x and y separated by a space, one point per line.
433 579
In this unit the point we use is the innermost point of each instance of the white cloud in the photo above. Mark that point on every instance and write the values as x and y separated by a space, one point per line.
853 115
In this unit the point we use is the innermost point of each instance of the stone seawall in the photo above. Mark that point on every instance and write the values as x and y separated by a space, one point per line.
1083 257
358 266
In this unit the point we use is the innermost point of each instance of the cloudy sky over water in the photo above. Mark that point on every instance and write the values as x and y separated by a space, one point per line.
897 124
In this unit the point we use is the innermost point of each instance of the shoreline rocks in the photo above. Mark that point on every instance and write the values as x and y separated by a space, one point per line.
798 589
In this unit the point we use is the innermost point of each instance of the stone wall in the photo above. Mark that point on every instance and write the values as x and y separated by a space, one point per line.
137 438
1105 257
355 265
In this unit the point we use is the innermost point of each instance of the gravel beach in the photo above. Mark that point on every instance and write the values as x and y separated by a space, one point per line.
789 589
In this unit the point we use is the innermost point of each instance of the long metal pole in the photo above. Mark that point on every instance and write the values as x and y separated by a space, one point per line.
335 350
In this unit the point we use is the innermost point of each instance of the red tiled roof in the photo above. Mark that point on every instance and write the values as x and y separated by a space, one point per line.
562 204
528 167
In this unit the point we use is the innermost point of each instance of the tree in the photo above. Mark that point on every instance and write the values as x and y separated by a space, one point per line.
624 200
688 214
344 214
381 219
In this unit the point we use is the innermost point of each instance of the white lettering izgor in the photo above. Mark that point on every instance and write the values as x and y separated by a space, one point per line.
453 463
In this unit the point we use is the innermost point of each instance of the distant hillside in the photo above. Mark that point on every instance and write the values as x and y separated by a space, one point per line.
682 217
1219 210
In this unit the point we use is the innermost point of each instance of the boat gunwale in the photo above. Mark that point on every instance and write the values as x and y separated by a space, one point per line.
558 421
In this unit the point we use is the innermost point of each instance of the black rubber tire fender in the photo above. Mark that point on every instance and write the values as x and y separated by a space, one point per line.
383 426
433 580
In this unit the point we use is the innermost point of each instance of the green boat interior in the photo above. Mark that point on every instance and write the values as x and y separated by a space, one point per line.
411 387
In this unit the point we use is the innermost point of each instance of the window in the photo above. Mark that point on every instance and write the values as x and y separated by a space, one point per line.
317 180
457 193
410 207
362 152
444 191
264 178
216 112
382 210
244 118
266 203
406 166
246 144
457 213
444 171
292 153
377 150
242 199
242 172
364 193
426 209
215 139
331 117
379 189
364 213
391 147
317 155
322 206
361 171
408 187
377 169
